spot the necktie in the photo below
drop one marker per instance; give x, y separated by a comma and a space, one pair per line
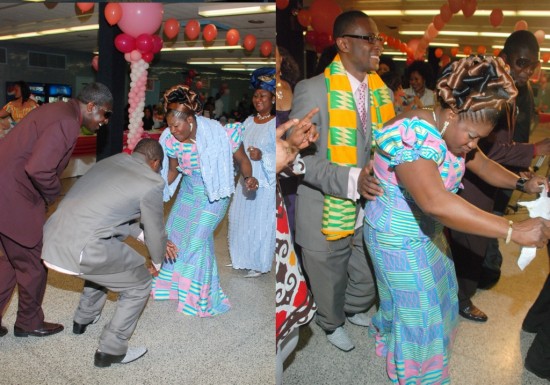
361, 95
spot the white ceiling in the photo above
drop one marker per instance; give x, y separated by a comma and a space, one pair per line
19, 17
391, 25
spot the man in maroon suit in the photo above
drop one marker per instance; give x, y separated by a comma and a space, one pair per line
33, 156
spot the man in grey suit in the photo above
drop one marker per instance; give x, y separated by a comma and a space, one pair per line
340, 277
85, 235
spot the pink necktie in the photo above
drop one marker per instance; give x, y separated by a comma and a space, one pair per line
361, 95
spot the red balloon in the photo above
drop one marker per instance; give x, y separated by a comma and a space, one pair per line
469, 7
232, 37
95, 62
467, 50
311, 37
496, 17
481, 50
157, 43
192, 29
50, 4
249, 42
496, 51
198, 85
210, 32
113, 13
432, 32
304, 17
546, 57
281, 4
144, 43
445, 12
265, 48
413, 44
444, 60
454, 51
172, 28
403, 47
438, 52
125, 43
85, 7
520, 25
438, 22
323, 14
192, 73
148, 57
455, 5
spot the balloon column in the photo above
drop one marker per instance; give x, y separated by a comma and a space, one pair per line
138, 22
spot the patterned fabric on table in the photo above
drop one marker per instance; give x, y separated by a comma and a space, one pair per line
416, 322
252, 214
294, 304
193, 279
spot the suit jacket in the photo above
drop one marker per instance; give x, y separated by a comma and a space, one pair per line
32, 157
86, 232
321, 177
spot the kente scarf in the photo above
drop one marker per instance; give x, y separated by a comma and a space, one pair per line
339, 214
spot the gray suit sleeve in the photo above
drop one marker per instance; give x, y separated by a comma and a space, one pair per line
320, 174
152, 220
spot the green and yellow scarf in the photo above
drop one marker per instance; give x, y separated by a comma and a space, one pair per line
339, 214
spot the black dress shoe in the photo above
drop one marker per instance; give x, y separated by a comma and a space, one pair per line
103, 360
47, 329
81, 328
473, 314
3, 331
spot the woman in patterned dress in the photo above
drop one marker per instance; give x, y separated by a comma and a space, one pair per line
252, 215
203, 152
419, 161
18, 108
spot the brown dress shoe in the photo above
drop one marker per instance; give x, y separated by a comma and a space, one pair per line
47, 329
473, 313
3, 331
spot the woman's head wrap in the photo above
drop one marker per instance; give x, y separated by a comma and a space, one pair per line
264, 79
475, 83
182, 98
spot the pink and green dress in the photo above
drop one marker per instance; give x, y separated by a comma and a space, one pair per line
417, 319
193, 279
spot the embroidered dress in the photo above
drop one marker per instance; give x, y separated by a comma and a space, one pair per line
252, 214
416, 322
193, 279
18, 113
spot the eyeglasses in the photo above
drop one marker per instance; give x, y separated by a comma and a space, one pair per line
106, 113
524, 63
371, 37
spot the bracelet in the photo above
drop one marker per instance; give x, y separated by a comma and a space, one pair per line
510, 229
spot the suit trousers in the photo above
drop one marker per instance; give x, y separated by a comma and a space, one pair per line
22, 266
133, 288
538, 318
341, 281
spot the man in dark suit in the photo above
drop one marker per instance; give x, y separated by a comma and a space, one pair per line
84, 237
339, 274
33, 156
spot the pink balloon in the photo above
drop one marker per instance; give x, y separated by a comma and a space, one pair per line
539, 34
144, 43
125, 43
135, 55
139, 18
95, 62
128, 57
521, 25
157, 43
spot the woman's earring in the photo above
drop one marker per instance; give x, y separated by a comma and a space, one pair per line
191, 127
445, 125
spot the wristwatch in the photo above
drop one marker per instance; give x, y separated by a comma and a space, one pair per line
520, 184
